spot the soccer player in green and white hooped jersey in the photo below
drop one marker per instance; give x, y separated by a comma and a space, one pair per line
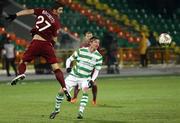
87, 59
85, 43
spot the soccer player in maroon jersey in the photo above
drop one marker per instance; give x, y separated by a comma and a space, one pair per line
44, 34
85, 43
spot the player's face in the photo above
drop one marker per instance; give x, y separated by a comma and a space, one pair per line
88, 36
59, 10
95, 44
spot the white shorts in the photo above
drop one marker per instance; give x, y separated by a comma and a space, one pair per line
72, 81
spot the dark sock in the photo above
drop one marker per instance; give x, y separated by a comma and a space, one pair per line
94, 92
76, 91
22, 68
60, 77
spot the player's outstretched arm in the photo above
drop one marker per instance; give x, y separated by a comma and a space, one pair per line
11, 17
25, 12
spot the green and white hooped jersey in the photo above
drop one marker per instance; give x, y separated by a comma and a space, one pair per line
85, 62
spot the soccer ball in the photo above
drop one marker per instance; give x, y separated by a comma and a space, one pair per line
165, 39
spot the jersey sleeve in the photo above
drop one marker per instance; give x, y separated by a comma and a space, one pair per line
37, 11
74, 55
99, 63
56, 27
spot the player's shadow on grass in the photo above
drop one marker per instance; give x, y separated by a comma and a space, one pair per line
109, 106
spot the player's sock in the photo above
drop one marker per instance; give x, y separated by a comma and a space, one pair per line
22, 68
80, 115
76, 91
60, 77
94, 92
83, 102
59, 99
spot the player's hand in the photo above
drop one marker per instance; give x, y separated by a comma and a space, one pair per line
11, 17
68, 70
91, 84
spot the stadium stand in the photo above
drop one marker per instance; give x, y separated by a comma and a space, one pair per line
124, 20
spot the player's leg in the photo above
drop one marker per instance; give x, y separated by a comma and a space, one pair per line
21, 69
49, 54
58, 101
60, 77
14, 66
28, 56
141, 60
7, 67
76, 91
145, 60
84, 99
94, 93
21, 75
60, 96
83, 103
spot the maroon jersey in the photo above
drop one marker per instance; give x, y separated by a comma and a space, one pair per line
46, 25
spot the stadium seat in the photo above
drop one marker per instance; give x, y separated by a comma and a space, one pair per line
123, 11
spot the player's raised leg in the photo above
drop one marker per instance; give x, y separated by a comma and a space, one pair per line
21, 75
27, 57
60, 77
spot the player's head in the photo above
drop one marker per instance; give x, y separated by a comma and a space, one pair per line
88, 35
94, 42
57, 8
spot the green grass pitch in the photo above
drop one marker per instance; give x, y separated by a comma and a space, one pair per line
154, 99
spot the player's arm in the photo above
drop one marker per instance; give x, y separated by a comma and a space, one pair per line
25, 12
96, 72
93, 78
95, 75
68, 64
55, 35
11, 17
55, 39
69, 61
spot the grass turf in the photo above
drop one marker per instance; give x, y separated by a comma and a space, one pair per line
120, 100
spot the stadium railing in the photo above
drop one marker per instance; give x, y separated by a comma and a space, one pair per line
126, 56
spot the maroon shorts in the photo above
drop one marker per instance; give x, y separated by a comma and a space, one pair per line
40, 48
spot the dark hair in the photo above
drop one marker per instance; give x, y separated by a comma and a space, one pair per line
93, 38
86, 31
56, 5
